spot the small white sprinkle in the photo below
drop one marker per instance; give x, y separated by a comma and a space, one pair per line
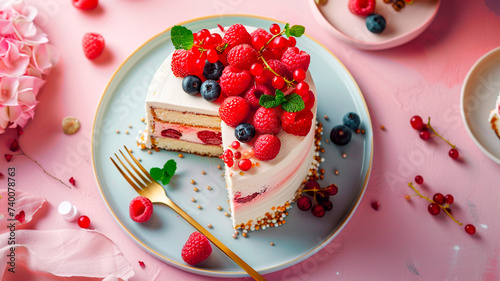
456, 248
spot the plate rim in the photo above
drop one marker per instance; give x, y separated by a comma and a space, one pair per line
372, 46
220, 273
472, 71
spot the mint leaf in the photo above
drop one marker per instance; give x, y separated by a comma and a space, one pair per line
296, 31
293, 103
268, 101
287, 30
165, 179
170, 167
182, 38
280, 97
156, 173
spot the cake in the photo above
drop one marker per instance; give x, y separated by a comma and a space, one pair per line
494, 117
262, 189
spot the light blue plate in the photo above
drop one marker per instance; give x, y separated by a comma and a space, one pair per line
122, 105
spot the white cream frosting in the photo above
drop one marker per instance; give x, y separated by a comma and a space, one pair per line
494, 117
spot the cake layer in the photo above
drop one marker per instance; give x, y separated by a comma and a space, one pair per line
186, 118
189, 147
192, 134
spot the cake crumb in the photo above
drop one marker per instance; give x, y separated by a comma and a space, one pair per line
219, 167
209, 187
344, 155
219, 208
195, 189
203, 172
209, 225
181, 155
193, 200
192, 182
199, 207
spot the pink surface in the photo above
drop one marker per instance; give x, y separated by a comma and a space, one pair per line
400, 241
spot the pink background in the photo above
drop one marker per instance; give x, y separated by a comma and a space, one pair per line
400, 241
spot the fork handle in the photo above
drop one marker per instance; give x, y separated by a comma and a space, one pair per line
214, 240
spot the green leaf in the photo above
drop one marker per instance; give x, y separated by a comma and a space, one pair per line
296, 30
156, 173
293, 103
165, 179
182, 38
268, 101
170, 167
280, 97
287, 30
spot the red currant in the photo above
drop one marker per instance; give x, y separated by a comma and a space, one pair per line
256, 69
434, 209
417, 123
453, 153
312, 186
212, 56
449, 199
217, 38
470, 229
425, 135
235, 144
327, 205
375, 205
304, 203
210, 42
202, 34
237, 155
245, 164
261, 79
227, 156
83, 222
275, 28
280, 42
332, 189
278, 82
199, 64
419, 179
299, 75
318, 211
302, 87
258, 41
439, 198
292, 41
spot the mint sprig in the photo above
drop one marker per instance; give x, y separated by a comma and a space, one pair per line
164, 174
295, 30
290, 103
182, 37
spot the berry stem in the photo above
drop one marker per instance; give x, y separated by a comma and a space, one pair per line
38, 164
288, 82
432, 201
436, 133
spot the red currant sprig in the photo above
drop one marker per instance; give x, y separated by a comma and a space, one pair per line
319, 202
441, 202
418, 124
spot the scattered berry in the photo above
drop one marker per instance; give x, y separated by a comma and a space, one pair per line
318, 211
244, 132
14, 146
8, 157
295, 59
93, 45
375, 205
453, 153
196, 249
351, 120
375, 23
311, 187
210, 90
439, 198
191, 84
340, 135
85, 4
234, 110
297, 123
242, 56
331, 190
245, 164
362, 7
434, 209
470, 229
140, 209
304, 203
72, 181
83, 222
419, 179
234, 81
213, 70
266, 121
417, 123
267, 147
449, 199
425, 135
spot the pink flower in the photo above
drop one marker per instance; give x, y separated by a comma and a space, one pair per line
13, 59
17, 20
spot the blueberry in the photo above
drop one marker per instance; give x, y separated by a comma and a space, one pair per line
351, 120
375, 23
340, 135
210, 90
191, 84
213, 70
244, 132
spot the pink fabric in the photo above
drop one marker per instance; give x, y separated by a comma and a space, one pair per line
58, 254
24, 201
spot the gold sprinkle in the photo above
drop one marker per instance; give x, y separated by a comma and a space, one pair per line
326, 117
209, 225
327, 141
70, 125
235, 236
344, 155
272, 243
382, 127
117, 131
407, 197
181, 155
209, 187
192, 181
322, 171
219, 167
244, 234
236, 233
219, 208
130, 126
139, 159
241, 173
336, 172
193, 200
322, 150
226, 214
130, 150
357, 131
126, 132
142, 119
257, 164
199, 207
149, 152
321, 177
195, 189
362, 132
203, 172
321, 2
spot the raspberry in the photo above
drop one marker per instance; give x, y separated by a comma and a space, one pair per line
262, 32
294, 59
252, 95
242, 56
297, 123
85, 4
209, 137
234, 81
235, 35
266, 121
196, 249
140, 209
93, 45
310, 101
234, 110
280, 68
183, 64
266, 147
362, 7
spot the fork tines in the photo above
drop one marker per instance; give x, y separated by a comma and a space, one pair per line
131, 177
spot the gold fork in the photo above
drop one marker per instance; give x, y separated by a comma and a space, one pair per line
146, 186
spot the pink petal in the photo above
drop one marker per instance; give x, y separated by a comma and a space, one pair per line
13, 62
25, 201
8, 91
45, 57
64, 253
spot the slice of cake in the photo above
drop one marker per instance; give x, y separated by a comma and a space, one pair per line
494, 117
261, 117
